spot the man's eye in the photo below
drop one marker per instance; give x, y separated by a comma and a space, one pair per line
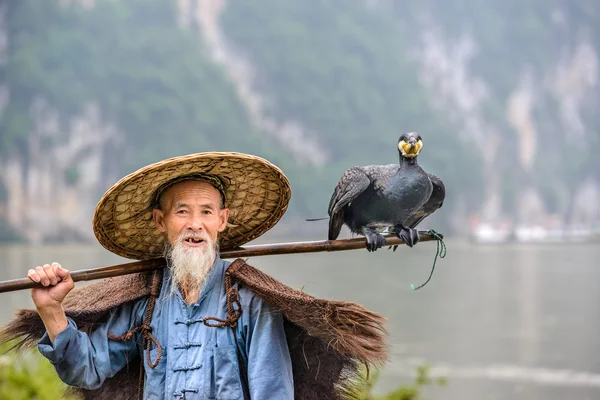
181, 212
207, 212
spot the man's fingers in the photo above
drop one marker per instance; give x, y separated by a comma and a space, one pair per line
51, 273
58, 270
41, 272
31, 274
63, 274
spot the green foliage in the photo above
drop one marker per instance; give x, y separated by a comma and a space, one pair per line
72, 176
29, 376
412, 391
517, 40
8, 233
345, 72
3, 192
342, 71
15, 126
151, 79
327, 66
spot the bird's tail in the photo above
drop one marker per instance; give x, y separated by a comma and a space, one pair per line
316, 219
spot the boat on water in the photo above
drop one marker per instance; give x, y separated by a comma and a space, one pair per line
488, 233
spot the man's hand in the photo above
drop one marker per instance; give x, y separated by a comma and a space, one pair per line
57, 282
48, 300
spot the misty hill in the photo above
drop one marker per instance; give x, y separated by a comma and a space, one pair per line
504, 93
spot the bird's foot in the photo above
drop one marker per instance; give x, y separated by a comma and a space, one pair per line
409, 236
374, 240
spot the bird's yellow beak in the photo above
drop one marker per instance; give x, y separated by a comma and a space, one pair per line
409, 150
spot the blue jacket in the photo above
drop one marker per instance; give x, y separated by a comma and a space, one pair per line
198, 362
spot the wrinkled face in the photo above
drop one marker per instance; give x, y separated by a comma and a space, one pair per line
410, 144
191, 210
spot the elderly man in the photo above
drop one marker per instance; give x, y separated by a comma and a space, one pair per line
194, 360
201, 328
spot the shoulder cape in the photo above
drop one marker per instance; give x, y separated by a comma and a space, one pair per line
328, 340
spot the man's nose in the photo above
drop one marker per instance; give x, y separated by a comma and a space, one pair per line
195, 223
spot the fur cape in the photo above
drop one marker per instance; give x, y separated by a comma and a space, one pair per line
329, 341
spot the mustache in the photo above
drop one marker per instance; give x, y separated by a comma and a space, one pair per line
193, 235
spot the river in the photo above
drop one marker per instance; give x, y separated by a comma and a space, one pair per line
500, 322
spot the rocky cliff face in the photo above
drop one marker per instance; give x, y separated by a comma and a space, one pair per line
54, 186
545, 121
518, 141
51, 184
527, 125
291, 135
529, 115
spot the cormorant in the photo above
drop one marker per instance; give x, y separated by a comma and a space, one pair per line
399, 196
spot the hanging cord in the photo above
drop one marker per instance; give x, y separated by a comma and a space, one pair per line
233, 314
440, 252
146, 332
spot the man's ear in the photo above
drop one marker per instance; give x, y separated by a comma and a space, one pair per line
224, 216
159, 220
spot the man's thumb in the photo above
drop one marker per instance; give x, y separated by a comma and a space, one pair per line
63, 274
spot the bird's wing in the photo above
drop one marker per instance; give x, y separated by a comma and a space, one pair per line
353, 182
351, 185
436, 200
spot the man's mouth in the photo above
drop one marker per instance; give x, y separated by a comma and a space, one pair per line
193, 241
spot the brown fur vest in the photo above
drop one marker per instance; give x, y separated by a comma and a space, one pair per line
328, 340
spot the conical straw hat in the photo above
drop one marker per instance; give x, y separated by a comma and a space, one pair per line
256, 192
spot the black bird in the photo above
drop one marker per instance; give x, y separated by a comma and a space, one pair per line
370, 198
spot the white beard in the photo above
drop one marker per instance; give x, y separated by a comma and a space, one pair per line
190, 265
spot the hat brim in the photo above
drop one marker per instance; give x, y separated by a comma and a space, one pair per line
257, 195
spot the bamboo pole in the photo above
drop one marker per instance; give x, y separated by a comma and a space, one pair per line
247, 251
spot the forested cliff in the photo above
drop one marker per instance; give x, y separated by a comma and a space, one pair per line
504, 93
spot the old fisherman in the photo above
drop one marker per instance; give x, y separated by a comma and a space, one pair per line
202, 327
197, 361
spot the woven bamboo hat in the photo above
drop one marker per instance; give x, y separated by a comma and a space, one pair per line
256, 192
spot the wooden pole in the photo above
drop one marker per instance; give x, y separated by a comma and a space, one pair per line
241, 252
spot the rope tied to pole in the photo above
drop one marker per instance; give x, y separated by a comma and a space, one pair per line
146, 332
440, 252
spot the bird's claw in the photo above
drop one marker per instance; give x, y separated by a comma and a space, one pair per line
374, 240
409, 236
